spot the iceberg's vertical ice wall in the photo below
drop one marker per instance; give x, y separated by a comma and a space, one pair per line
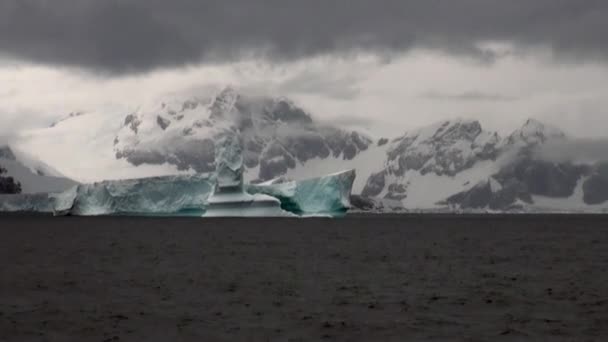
31, 203
229, 198
170, 196
222, 195
327, 195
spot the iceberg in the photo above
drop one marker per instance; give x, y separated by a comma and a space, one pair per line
222, 194
230, 198
157, 196
324, 196
27, 203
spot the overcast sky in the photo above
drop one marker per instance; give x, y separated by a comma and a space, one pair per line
381, 65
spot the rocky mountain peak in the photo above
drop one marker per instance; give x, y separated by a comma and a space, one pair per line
224, 102
7, 153
534, 132
278, 135
446, 147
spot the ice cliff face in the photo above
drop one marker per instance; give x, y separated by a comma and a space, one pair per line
194, 195
172, 195
277, 135
324, 195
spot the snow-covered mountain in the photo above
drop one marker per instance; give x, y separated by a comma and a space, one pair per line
456, 165
278, 135
449, 165
28, 175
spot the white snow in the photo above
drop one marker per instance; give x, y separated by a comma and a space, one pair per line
32, 182
365, 164
425, 191
495, 186
82, 149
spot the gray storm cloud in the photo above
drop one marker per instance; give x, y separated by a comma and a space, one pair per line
119, 36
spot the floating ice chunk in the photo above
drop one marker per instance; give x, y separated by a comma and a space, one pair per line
327, 195
163, 196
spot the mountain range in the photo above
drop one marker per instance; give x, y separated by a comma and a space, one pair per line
452, 165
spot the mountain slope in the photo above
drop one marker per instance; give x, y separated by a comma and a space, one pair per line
458, 165
33, 176
278, 135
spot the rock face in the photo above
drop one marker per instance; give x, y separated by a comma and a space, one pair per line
596, 186
542, 177
492, 195
7, 153
444, 152
444, 149
19, 174
277, 134
8, 184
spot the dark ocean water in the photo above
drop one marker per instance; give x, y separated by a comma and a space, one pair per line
360, 278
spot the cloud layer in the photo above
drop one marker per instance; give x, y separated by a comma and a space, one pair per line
118, 36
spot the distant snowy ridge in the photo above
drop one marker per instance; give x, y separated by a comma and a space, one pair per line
33, 175
456, 165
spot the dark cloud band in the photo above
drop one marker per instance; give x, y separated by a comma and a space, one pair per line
139, 35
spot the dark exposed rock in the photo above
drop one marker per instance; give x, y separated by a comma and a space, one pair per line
521, 179
7, 153
450, 149
306, 146
350, 152
375, 184
382, 141
133, 122
482, 196
396, 192
262, 122
363, 203
275, 161
162, 122
285, 111
189, 105
199, 156
8, 185
595, 188
69, 116
544, 178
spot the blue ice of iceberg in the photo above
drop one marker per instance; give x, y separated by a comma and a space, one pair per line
229, 198
328, 195
158, 196
30, 203
223, 194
